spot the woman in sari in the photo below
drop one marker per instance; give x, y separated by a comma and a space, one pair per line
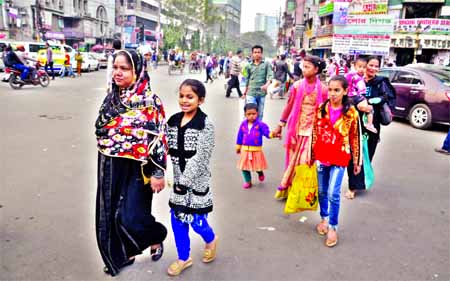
131, 163
298, 115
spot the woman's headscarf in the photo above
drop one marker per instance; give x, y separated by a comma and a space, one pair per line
131, 120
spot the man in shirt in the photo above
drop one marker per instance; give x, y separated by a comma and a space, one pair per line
281, 74
259, 78
49, 60
234, 67
117, 45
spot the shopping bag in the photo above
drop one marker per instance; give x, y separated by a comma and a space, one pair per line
303, 194
369, 176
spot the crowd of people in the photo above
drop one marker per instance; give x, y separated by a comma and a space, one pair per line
325, 123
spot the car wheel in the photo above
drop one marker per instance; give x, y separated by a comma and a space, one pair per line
420, 116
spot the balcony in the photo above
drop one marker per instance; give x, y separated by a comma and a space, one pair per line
325, 30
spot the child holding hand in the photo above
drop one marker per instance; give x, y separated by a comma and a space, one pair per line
249, 145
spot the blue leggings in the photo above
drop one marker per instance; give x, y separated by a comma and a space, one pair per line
181, 233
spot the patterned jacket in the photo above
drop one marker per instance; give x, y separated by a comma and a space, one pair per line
337, 144
190, 149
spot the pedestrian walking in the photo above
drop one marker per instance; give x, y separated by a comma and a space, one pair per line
259, 78
298, 114
130, 132
49, 62
297, 68
336, 132
342, 69
281, 72
191, 142
209, 64
79, 60
249, 145
445, 149
67, 67
235, 69
376, 87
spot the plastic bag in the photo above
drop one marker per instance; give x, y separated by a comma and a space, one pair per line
303, 194
369, 176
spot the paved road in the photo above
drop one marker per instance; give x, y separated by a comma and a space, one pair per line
397, 231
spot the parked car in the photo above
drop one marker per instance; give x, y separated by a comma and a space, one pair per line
102, 59
89, 62
423, 94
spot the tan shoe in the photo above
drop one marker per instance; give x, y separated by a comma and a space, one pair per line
178, 266
332, 238
209, 255
322, 228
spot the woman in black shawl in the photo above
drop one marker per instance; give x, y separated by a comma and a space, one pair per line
376, 87
131, 163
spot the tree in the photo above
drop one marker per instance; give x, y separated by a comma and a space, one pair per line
172, 36
195, 40
249, 39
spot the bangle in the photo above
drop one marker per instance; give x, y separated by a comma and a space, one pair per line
282, 124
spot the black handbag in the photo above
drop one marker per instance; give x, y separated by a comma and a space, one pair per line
386, 114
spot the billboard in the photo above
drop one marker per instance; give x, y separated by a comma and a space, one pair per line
363, 34
422, 26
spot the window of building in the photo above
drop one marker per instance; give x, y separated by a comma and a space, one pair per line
419, 10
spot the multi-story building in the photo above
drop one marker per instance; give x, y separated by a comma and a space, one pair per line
135, 16
268, 24
231, 21
421, 31
72, 22
291, 32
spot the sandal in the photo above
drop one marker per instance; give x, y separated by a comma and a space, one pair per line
157, 253
209, 255
331, 242
350, 195
178, 266
322, 227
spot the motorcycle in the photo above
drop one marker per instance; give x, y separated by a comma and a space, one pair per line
38, 77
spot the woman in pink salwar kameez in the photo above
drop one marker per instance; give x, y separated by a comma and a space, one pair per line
298, 114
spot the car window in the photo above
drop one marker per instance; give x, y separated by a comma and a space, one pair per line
34, 48
404, 77
442, 76
386, 73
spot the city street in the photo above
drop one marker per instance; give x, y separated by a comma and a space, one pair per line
397, 231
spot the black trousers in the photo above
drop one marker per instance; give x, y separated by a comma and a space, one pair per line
125, 226
233, 83
51, 67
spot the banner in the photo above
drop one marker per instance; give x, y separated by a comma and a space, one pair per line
363, 7
361, 44
422, 26
363, 34
326, 8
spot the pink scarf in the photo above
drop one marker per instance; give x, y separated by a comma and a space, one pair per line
296, 109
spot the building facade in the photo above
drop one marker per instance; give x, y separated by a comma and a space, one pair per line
69, 21
421, 31
268, 24
404, 31
137, 21
231, 17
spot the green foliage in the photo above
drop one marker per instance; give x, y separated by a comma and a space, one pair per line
172, 36
249, 39
195, 40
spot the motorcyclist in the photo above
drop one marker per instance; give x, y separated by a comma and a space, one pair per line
18, 62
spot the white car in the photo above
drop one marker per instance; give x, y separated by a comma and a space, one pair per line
89, 63
102, 59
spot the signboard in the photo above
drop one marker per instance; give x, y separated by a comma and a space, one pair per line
425, 41
54, 35
361, 44
422, 26
370, 24
326, 8
343, 8
363, 34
